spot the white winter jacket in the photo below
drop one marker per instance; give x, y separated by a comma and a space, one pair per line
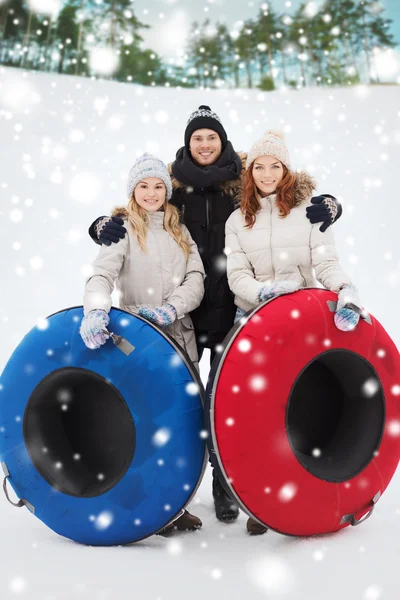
160, 275
277, 249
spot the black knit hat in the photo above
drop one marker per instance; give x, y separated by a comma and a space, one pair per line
204, 118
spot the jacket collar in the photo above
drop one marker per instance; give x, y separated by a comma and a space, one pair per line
230, 188
156, 218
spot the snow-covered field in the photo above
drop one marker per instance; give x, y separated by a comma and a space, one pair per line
66, 146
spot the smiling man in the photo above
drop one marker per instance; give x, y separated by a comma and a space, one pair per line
207, 184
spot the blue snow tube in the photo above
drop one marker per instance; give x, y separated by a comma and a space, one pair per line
104, 448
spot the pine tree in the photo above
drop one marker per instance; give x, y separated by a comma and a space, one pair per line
343, 18
364, 13
66, 32
32, 25
122, 20
246, 45
14, 26
265, 31
4, 15
202, 53
140, 66
295, 34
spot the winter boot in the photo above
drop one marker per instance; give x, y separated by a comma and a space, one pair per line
255, 528
186, 522
225, 508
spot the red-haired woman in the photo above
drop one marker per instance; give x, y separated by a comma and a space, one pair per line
273, 248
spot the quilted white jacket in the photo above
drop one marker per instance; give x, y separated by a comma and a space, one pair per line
159, 275
277, 249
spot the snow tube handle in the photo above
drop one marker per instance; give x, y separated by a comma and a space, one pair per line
332, 304
120, 342
22, 501
352, 520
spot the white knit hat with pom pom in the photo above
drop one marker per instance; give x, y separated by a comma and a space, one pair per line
272, 143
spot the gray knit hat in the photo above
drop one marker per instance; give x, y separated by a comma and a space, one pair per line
272, 143
145, 166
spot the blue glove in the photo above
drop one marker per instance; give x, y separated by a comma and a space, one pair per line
92, 327
348, 309
277, 289
109, 229
162, 315
326, 209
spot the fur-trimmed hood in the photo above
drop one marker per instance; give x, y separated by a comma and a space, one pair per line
120, 211
305, 183
304, 188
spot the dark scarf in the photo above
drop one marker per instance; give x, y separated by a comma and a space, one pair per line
227, 168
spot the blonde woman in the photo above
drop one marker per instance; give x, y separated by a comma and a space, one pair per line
156, 268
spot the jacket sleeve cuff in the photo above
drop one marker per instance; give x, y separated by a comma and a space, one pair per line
180, 307
92, 231
96, 301
338, 204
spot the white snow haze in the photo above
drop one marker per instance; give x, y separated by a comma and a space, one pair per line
66, 146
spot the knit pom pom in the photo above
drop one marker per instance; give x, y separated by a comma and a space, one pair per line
276, 133
204, 107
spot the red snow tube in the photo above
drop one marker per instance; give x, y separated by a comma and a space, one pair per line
304, 418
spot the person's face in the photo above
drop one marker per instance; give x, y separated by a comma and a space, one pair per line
205, 147
150, 193
267, 174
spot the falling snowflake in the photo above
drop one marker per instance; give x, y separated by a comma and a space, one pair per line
161, 437
244, 346
16, 215
42, 324
174, 547
271, 575
372, 592
192, 388
394, 428
216, 573
76, 136
17, 585
287, 492
370, 387
103, 61
104, 520
258, 383
85, 188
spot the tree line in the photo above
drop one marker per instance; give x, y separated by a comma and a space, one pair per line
334, 45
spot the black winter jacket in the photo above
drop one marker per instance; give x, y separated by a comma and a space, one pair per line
204, 211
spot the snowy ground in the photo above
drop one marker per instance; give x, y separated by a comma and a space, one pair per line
66, 146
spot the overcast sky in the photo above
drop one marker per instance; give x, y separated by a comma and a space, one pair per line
171, 19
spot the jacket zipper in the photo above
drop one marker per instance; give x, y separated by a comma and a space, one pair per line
207, 212
207, 228
302, 277
270, 237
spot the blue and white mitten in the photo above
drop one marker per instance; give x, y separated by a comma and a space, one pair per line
161, 315
277, 289
92, 328
348, 309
